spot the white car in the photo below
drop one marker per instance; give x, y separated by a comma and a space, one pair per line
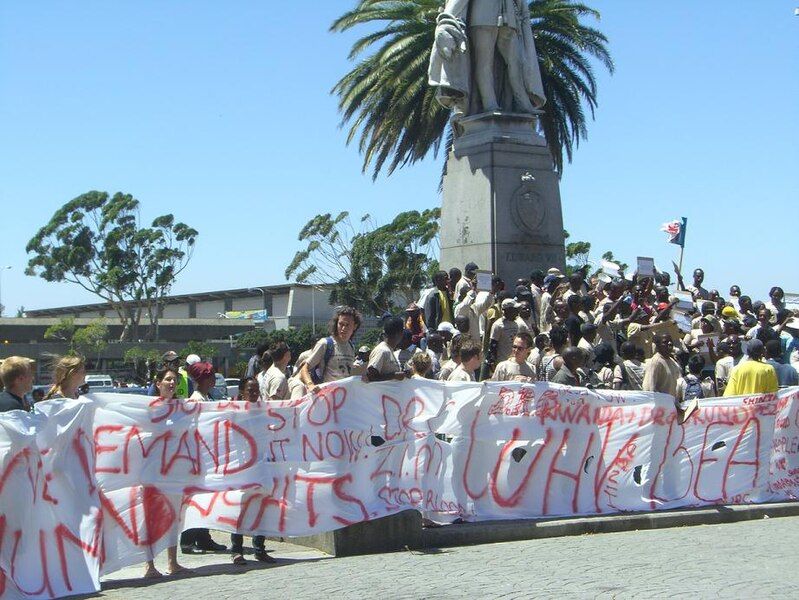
232, 386
99, 382
220, 388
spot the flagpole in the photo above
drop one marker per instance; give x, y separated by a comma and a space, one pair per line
683, 231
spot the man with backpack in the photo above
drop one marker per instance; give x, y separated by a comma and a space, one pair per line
691, 387
333, 356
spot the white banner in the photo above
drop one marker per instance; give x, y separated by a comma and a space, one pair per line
90, 486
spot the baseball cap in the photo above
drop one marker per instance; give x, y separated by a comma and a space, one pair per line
363, 349
169, 356
192, 359
509, 303
729, 312
446, 326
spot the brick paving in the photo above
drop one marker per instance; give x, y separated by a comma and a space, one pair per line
747, 559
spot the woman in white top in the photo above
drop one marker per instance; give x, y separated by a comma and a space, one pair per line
166, 382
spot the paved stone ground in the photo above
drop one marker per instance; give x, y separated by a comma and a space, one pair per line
754, 559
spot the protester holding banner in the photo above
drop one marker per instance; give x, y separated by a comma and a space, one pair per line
166, 381
249, 391
332, 357
199, 540
516, 368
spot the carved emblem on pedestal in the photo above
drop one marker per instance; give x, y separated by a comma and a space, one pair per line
527, 207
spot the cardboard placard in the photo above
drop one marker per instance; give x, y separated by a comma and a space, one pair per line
484, 281
646, 266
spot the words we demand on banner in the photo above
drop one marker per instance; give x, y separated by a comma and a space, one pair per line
93, 485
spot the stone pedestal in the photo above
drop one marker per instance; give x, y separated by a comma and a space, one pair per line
501, 206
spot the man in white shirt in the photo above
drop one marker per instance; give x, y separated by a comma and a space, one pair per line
516, 367
276, 385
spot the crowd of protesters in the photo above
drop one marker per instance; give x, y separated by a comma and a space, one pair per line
588, 331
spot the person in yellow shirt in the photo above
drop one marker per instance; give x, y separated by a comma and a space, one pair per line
753, 376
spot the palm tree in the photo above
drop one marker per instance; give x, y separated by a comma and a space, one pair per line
392, 111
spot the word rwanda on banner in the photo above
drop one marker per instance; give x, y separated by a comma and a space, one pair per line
93, 485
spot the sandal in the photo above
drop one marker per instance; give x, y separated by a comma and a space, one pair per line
239, 559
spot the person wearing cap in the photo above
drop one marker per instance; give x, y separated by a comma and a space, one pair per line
359, 364
447, 331
503, 331
414, 322
753, 376
199, 539
438, 305
16, 373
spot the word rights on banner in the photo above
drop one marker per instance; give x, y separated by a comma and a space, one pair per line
92, 485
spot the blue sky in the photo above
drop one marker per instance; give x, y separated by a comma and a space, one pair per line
220, 113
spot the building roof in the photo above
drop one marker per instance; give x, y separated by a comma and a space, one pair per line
176, 299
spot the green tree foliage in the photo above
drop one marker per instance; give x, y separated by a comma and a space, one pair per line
89, 340
61, 330
97, 242
392, 112
144, 361
205, 350
92, 339
578, 256
374, 269
298, 340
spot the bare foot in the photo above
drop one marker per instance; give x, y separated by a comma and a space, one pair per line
178, 570
152, 573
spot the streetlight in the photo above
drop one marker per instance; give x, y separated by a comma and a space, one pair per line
313, 305
6, 268
263, 299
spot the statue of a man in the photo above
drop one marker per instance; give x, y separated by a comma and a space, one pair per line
464, 65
